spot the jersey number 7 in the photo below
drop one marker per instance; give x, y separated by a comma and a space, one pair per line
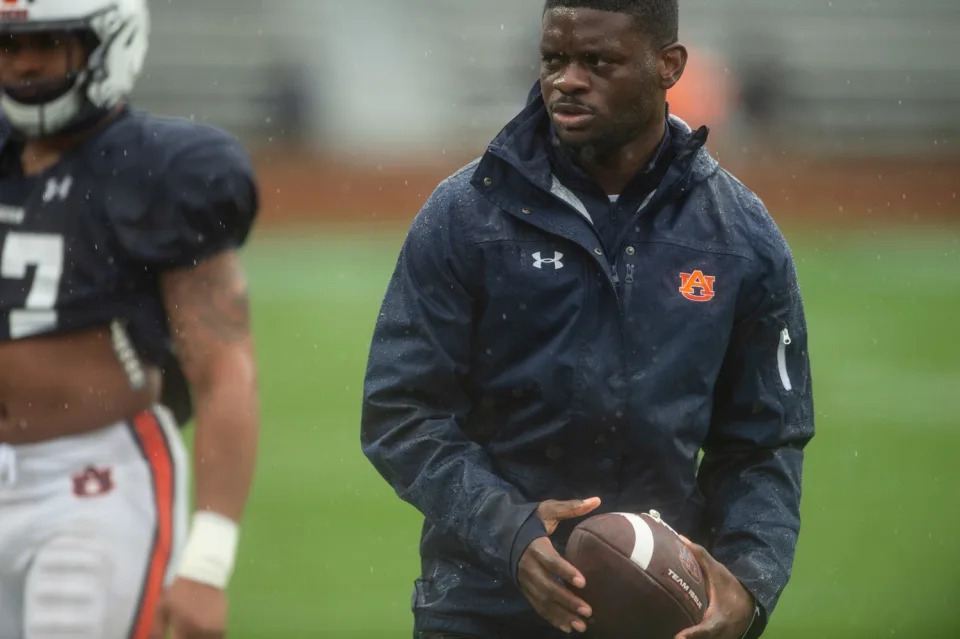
44, 251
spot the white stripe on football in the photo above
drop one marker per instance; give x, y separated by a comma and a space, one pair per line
643, 540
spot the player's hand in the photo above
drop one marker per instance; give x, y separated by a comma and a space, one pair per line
731, 607
192, 610
542, 571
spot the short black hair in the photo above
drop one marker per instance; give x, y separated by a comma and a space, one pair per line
659, 18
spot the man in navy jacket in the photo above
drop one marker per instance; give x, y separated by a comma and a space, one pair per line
573, 319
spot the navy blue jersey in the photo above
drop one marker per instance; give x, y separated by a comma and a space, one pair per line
83, 243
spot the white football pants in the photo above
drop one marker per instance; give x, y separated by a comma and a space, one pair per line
90, 526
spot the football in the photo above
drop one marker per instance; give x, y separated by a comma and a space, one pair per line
642, 580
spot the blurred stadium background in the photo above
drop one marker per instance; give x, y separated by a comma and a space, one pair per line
844, 115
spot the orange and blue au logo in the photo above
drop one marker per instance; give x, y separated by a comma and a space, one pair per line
691, 283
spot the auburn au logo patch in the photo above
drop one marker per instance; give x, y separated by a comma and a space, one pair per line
696, 286
92, 482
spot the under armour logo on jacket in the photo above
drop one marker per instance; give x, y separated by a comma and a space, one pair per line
538, 261
59, 189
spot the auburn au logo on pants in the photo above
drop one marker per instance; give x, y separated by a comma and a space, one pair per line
696, 286
92, 482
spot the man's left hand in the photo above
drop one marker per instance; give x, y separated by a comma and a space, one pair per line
192, 610
731, 607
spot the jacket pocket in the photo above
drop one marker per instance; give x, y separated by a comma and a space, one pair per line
531, 287
789, 372
782, 369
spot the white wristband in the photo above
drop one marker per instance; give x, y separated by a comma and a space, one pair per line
211, 549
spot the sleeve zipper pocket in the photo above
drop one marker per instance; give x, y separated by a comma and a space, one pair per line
782, 358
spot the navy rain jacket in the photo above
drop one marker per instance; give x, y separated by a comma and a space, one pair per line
515, 360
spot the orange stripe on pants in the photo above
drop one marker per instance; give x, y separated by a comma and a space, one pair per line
155, 448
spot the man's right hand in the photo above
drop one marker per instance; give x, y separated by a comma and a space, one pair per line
542, 571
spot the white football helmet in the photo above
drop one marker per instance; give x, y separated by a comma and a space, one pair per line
119, 29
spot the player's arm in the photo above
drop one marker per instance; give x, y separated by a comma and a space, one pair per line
751, 470
208, 312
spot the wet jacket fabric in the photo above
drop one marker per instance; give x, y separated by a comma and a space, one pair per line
518, 358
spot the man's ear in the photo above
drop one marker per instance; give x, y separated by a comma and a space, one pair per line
673, 60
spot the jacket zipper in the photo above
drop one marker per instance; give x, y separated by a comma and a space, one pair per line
782, 358
627, 287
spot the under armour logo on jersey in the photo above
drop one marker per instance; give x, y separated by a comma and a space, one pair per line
57, 189
538, 261
691, 282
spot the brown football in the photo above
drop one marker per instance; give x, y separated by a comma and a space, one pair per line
642, 580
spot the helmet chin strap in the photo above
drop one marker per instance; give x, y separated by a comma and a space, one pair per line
67, 113
50, 118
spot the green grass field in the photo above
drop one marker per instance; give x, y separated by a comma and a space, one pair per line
328, 551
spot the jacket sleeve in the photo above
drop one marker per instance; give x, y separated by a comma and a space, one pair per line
750, 474
415, 403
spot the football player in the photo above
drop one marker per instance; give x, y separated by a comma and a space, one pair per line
123, 307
